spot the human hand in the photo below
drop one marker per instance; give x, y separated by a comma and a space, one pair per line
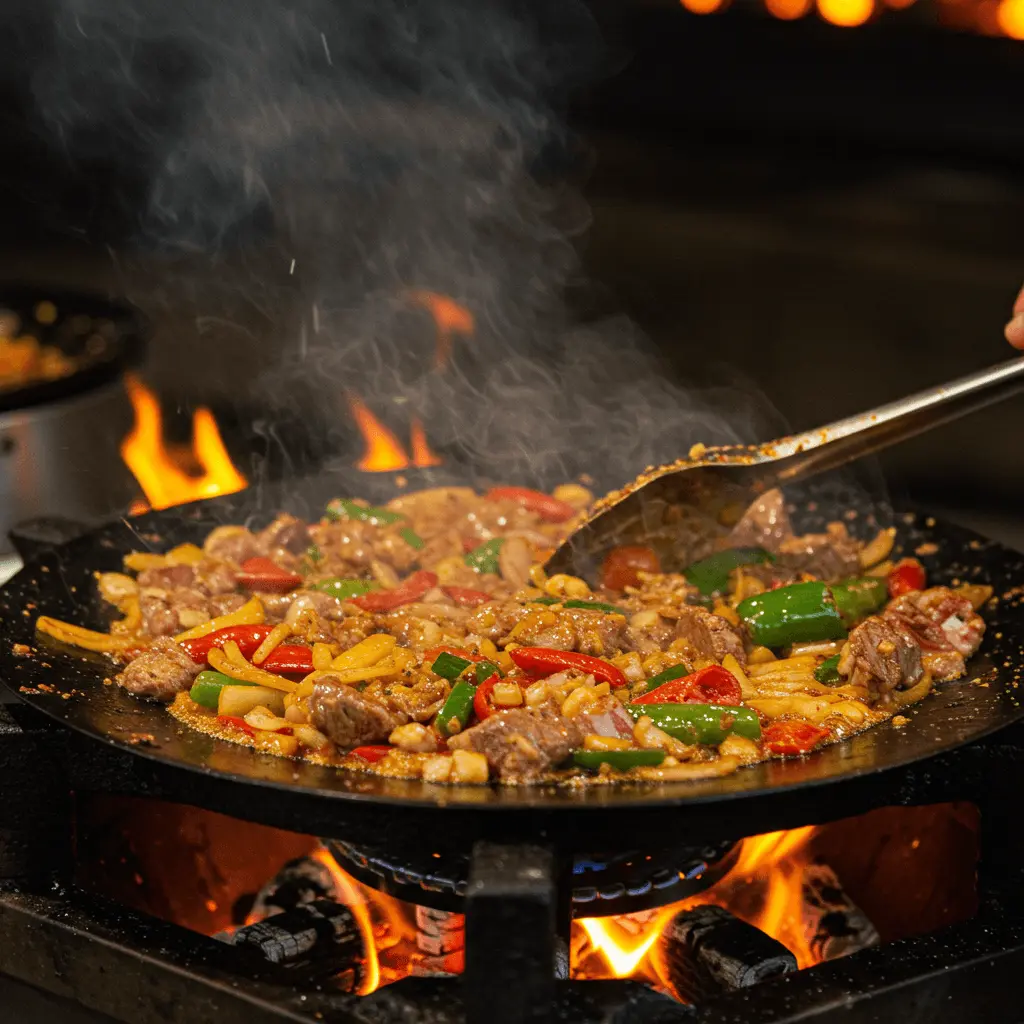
1015, 328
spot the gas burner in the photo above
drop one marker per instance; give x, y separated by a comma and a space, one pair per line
600, 885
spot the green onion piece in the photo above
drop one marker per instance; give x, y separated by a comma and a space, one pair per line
485, 669
449, 666
597, 606
343, 588
314, 554
711, 575
412, 538
485, 557
454, 714
546, 599
207, 686
344, 508
675, 672
620, 760
828, 671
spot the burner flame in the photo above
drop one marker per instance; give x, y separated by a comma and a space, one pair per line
160, 471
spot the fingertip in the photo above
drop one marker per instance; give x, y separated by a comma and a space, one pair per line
1018, 306
1014, 331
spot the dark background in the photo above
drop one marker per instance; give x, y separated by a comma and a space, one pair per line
834, 214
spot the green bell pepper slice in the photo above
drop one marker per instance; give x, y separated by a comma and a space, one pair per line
456, 709
856, 599
343, 588
485, 557
343, 508
207, 686
412, 538
546, 599
449, 666
700, 723
828, 671
485, 669
620, 760
597, 606
711, 575
802, 612
675, 672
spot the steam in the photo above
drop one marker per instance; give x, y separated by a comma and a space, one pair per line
365, 149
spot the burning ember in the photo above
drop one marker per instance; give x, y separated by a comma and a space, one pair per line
170, 476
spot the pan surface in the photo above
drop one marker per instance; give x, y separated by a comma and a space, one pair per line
70, 688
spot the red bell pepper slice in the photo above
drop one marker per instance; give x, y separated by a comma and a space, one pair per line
372, 754
711, 685
545, 661
248, 639
481, 699
264, 576
906, 575
621, 567
384, 600
465, 597
238, 723
549, 509
289, 660
792, 737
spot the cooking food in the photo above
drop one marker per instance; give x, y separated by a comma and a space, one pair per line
24, 359
424, 640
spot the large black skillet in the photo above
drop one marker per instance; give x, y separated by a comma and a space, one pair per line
70, 688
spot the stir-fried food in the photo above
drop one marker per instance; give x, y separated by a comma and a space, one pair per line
424, 640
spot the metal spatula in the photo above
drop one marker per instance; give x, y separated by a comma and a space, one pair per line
671, 507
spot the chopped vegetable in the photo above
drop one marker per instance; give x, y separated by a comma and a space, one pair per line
541, 661
484, 558
87, 639
858, 598
314, 554
828, 671
485, 669
623, 565
620, 760
372, 754
550, 509
466, 597
596, 606
250, 614
793, 737
481, 698
457, 709
344, 588
546, 599
412, 538
711, 575
449, 666
793, 614
711, 685
365, 653
238, 723
411, 590
343, 508
458, 652
250, 673
291, 659
675, 672
906, 575
264, 576
700, 723
207, 686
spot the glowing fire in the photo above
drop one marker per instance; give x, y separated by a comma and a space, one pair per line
384, 452
450, 319
762, 888
161, 473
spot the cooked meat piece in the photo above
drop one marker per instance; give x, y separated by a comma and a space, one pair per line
494, 621
325, 606
221, 604
351, 718
521, 744
882, 657
829, 556
944, 665
420, 701
940, 619
232, 544
572, 629
708, 636
285, 532
764, 525
650, 636
215, 577
158, 617
606, 717
168, 578
160, 672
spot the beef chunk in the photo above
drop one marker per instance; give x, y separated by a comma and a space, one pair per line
606, 717
521, 744
287, 533
708, 636
160, 672
351, 718
764, 525
574, 629
232, 544
940, 619
158, 617
882, 657
167, 578
829, 556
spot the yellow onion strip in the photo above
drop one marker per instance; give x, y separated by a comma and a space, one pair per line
274, 639
247, 673
87, 639
391, 665
365, 653
250, 614
183, 554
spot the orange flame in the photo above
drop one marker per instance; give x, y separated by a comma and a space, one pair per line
159, 473
384, 452
450, 319
846, 13
422, 455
